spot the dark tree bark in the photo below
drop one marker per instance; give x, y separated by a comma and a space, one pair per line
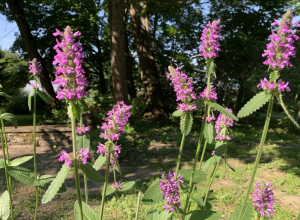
117, 50
31, 48
149, 74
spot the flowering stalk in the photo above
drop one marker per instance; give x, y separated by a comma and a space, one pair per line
278, 53
6, 161
263, 199
105, 186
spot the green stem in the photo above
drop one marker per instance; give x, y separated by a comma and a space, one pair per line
7, 176
76, 166
84, 177
211, 180
202, 155
262, 141
34, 153
298, 218
116, 193
179, 155
138, 206
105, 186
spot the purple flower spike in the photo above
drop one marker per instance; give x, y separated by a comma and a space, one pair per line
210, 45
83, 130
268, 86
69, 72
65, 157
117, 185
82, 155
281, 48
35, 67
183, 88
212, 95
221, 125
263, 199
170, 190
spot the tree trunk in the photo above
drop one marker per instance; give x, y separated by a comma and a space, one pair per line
149, 75
117, 50
31, 48
130, 80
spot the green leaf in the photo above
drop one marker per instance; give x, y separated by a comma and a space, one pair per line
203, 215
83, 141
198, 199
199, 103
209, 132
2, 165
88, 212
274, 76
29, 98
279, 97
44, 96
198, 175
91, 173
5, 95
152, 214
109, 190
75, 111
208, 163
117, 166
210, 68
4, 205
229, 166
254, 104
19, 161
10, 117
177, 113
236, 213
220, 150
222, 110
99, 162
153, 195
21, 174
164, 215
44, 182
210, 198
186, 123
56, 184
126, 186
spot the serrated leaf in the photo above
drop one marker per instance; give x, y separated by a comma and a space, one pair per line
210, 198
109, 190
279, 97
177, 113
29, 98
199, 103
153, 195
19, 161
91, 173
209, 68
4, 205
274, 76
186, 122
254, 104
83, 141
236, 213
5, 95
219, 151
126, 186
99, 162
21, 174
75, 111
203, 215
198, 199
44, 96
2, 165
164, 215
11, 118
56, 184
208, 163
187, 173
44, 182
88, 212
152, 214
209, 132
222, 110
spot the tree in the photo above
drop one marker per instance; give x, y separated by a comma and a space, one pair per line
31, 48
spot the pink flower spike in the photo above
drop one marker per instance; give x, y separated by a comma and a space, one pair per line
35, 67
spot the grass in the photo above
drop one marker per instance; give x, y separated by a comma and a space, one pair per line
155, 145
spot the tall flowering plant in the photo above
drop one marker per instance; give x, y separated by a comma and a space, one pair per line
278, 54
